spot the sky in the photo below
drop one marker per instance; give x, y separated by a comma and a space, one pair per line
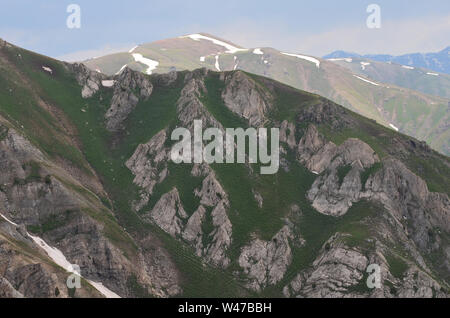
313, 27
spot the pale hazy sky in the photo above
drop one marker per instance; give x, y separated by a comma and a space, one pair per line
310, 27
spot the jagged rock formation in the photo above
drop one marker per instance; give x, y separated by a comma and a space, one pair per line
287, 134
37, 195
88, 79
265, 262
129, 88
243, 96
341, 271
169, 214
149, 166
189, 106
329, 194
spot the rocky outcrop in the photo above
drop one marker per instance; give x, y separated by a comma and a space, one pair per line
287, 134
265, 262
39, 195
341, 271
189, 106
333, 273
407, 197
243, 96
314, 151
26, 271
168, 213
149, 166
129, 88
332, 192
220, 238
211, 192
89, 80
420, 215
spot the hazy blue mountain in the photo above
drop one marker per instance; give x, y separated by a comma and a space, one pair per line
439, 61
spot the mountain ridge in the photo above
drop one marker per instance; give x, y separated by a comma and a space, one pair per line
349, 191
436, 61
420, 115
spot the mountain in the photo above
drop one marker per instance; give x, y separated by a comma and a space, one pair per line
419, 79
411, 112
87, 179
437, 62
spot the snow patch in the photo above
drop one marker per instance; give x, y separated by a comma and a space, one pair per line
108, 83
365, 80
408, 67
346, 59
134, 48
393, 127
47, 69
202, 58
8, 220
230, 48
58, 258
434, 74
150, 63
304, 57
121, 69
315, 172
265, 61
258, 52
217, 63
364, 64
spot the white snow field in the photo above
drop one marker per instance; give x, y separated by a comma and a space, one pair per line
365, 80
364, 64
304, 57
217, 63
150, 63
47, 69
108, 83
230, 48
348, 60
258, 52
393, 127
121, 69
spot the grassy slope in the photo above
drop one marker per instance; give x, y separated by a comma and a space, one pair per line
158, 112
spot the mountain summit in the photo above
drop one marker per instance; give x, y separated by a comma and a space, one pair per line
409, 111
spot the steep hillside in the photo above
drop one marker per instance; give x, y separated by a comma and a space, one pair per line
422, 116
85, 161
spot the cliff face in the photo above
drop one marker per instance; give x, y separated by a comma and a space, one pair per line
85, 167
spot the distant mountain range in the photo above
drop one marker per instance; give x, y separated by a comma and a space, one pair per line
380, 98
438, 62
